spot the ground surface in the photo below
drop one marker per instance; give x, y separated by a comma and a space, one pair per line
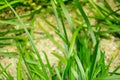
43, 44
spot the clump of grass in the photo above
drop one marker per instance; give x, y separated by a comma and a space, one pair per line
106, 17
82, 57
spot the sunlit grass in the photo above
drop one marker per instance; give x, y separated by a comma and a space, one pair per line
81, 59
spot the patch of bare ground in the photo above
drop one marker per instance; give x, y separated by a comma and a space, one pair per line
109, 46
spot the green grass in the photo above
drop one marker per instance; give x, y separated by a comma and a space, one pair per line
81, 59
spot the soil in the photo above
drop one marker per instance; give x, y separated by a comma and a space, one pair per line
109, 46
43, 44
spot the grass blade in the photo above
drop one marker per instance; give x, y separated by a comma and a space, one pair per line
86, 20
31, 41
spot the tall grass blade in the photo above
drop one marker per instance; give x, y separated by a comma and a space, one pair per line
66, 13
48, 65
31, 41
81, 69
86, 20
58, 74
95, 60
19, 76
11, 3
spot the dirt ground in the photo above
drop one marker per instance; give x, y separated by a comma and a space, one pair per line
110, 46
